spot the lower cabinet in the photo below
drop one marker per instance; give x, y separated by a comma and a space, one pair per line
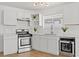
53, 47
35, 43
43, 44
46, 44
10, 46
9, 40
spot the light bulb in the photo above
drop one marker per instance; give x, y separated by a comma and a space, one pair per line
40, 4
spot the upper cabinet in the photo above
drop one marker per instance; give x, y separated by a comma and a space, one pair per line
71, 14
9, 17
27, 14
20, 15
24, 15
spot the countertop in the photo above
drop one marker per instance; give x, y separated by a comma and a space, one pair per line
62, 35
45, 34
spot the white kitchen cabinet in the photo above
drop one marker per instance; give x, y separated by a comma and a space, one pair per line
10, 43
10, 46
39, 43
43, 43
9, 17
27, 15
21, 15
36, 43
9, 39
46, 43
24, 15
71, 12
53, 47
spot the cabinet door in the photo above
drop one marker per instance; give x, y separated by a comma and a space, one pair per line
53, 46
71, 14
27, 15
10, 45
10, 40
43, 44
20, 15
35, 43
9, 17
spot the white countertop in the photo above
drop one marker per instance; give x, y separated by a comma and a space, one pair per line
59, 35
45, 34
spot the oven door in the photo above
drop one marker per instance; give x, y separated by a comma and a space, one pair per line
66, 46
24, 42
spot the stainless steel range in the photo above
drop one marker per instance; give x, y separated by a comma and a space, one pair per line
67, 46
24, 40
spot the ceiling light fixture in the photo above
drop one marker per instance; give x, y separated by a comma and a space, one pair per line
40, 4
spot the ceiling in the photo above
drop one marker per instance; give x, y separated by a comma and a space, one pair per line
29, 5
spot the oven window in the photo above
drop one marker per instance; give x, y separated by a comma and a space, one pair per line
24, 42
66, 47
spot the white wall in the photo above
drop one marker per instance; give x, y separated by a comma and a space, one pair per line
52, 11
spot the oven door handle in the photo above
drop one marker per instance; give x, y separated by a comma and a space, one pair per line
65, 42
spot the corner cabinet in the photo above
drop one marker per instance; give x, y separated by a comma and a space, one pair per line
71, 14
39, 43
9, 17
